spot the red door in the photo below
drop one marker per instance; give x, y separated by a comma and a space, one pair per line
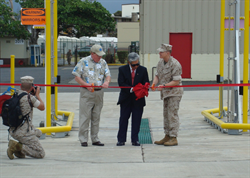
182, 50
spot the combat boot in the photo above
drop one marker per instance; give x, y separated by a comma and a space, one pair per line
171, 142
14, 148
162, 141
18, 154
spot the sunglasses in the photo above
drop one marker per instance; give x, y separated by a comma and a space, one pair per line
133, 65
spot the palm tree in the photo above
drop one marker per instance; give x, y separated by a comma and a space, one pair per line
11, 5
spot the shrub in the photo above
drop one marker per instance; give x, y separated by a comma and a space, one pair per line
122, 56
84, 53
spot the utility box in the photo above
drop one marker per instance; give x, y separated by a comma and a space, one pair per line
35, 52
134, 47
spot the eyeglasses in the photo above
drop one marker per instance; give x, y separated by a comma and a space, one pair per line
133, 65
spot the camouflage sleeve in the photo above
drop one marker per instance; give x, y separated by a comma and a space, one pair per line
34, 101
77, 71
177, 71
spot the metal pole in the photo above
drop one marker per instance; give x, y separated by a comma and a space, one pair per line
12, 70
222, 37
48, 64
236, 104
55, 55
229, 58
52, 60
245, 63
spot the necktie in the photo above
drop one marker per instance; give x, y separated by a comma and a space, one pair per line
133, 75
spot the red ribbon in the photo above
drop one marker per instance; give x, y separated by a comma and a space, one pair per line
202, 85
141, 90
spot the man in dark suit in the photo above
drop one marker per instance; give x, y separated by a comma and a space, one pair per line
129, 76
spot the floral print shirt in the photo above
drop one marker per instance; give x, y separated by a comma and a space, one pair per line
90, 71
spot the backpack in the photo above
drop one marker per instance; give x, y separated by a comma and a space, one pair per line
11, 111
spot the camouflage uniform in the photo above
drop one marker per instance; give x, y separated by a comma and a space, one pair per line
27, 134
91, 103
171, 96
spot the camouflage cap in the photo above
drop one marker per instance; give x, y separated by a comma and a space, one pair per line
27, 79
165, 47
97, 49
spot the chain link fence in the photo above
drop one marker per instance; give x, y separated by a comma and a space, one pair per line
81, 48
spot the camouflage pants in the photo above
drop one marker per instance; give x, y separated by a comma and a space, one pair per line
170, 114
31, 145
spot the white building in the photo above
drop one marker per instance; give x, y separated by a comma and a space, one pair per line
128, 9
193, 28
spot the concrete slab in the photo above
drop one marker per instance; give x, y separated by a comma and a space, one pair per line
203, 151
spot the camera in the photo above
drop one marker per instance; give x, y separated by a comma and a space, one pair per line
33, 92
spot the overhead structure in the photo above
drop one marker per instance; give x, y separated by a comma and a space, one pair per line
235, 123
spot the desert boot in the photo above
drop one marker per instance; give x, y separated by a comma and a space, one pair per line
18, 154
14, 148
171, 142
162, 141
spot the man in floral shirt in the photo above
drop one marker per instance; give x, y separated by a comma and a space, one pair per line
91, 71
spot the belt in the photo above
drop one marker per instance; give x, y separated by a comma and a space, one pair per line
95, 89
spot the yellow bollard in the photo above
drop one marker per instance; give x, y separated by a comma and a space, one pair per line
12, 70
35, 63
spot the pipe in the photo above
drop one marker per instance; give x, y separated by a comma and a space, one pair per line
55, 55
208, 115
48, 63
222, 36
12, 70
65, 128
245, 64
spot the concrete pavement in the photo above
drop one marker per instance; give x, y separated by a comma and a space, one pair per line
203, 151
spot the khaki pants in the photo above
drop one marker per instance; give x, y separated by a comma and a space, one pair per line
90, 107
170, 114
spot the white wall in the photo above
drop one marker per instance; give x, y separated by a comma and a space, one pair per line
127, 9
204, 67
127, 32
9, 46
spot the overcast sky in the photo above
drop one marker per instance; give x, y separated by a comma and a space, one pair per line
111, 5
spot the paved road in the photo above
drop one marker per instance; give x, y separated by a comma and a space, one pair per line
68, 79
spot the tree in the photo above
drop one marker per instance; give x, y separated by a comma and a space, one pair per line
78, 18
118, 13
9, 27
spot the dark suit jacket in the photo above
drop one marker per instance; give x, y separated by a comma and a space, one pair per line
124, 79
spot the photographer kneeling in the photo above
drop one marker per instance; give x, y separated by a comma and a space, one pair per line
26, 133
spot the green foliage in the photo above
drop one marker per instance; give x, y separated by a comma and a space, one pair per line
122, 55
9, 27
84, 53
78, 18
118, 13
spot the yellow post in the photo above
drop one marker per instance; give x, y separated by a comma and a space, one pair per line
55, 54
35, 63
12, 69
222, 36
48, 63
245, 63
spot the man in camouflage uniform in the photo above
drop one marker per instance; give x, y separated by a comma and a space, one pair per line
89, 71
26, 133
168, 74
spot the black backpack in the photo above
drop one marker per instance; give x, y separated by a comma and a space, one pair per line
11, 111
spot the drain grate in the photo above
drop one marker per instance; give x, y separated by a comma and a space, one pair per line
144, 134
